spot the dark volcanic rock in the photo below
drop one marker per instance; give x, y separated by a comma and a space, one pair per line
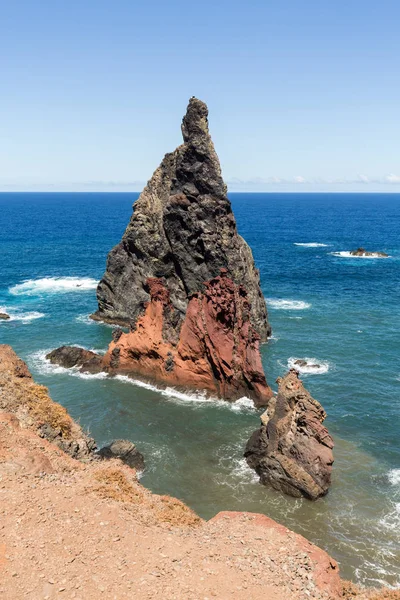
4, 316
74, 356
362, 252
292, 450
183, 231
125, 451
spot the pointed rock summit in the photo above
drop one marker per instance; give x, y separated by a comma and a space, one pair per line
183, 232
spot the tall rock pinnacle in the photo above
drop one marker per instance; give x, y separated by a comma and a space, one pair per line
183, 232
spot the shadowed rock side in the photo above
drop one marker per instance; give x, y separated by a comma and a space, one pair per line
217, 349
292, 450
183, 230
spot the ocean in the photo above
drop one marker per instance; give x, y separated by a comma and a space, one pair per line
341, 312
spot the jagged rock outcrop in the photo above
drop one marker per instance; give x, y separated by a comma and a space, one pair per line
182, 231
292, 450
75, 356
362, 252
126, 451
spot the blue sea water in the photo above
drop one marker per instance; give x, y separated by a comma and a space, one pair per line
341, 312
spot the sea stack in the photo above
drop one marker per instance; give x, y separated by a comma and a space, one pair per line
292, 450
184, 281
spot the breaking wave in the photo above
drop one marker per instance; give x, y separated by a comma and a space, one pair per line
280, 304
42, 365
20, 316
347, 254
311, 245
394, 476
53, 285
313, 366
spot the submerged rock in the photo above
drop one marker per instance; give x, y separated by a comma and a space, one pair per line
125, 451
182, 231
4, 316
362, 252
292, 450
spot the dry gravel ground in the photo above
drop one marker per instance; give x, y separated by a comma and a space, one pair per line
89, 530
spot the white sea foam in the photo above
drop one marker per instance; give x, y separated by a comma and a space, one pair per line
391, 520
281, 304
311, 244
44, 366
394, 476
53, 285
23, 317
320, 367
200, 397
243, 472
347, 254
297, 318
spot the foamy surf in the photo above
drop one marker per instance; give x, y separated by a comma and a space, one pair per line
281, 304
347, 254
200, 398
42, 365
311, 244
53, 285
313, 366
394, 476
26, 317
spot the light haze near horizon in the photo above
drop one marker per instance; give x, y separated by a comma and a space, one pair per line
303, 96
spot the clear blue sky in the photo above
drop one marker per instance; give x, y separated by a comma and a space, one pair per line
302, 94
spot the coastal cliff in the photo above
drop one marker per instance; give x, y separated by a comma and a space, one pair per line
84, 528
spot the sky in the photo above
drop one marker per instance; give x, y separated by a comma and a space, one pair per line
302, 95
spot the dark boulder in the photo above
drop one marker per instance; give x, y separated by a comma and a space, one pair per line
125, 451
74, 356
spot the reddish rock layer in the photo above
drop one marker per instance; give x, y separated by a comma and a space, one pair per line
217, 349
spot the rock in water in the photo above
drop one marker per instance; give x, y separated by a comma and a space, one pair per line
4, 316
292, 450
125, 451
183, 231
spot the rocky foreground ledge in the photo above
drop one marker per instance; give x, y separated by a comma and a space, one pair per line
86, 529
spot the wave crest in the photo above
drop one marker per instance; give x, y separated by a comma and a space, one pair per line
26, 317
311, 244
394, 476
281, 304
53, 285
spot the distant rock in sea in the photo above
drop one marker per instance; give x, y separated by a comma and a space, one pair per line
362, 252
4, 316
184, 281
292, 450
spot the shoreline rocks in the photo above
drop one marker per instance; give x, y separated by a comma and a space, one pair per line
292, 450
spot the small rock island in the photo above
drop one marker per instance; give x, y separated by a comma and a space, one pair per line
362, 252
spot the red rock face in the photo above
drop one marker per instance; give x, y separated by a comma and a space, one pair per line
217, 350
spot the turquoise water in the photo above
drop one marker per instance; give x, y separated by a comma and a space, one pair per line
341, 312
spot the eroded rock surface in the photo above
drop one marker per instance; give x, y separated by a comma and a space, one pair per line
182, 231
292, 450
